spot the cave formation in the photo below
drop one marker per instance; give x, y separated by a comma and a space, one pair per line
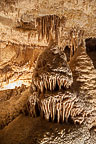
48, 64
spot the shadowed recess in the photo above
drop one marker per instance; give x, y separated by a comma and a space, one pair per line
91, 49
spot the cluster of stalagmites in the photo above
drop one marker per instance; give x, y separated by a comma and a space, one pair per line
51, 77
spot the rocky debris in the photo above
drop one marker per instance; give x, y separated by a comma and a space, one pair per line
37, 130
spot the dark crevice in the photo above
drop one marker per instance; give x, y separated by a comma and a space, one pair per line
91, 49
67, 52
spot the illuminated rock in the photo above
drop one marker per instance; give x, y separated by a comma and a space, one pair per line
51, 82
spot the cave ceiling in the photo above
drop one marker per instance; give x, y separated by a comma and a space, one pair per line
80, 14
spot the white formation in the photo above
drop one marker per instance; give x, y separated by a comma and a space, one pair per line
59, 107
62, 106
50, 82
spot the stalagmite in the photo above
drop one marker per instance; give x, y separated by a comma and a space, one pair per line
58, 112
76, 37
67, 113
32, 102
45, 84
54, 82
55, 104
49, 107
63, 112
29, 36
54, 113
41, 85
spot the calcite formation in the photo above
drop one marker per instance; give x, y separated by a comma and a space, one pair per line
48, 27
51, 46
51, 84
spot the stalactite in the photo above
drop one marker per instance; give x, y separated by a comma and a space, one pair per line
18, 12
29, 36
60, 106
50, 25
42, 28
57, 107
76, 37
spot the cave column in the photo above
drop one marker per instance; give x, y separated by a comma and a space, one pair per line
74, 44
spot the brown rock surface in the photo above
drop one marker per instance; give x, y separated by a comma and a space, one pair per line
26, 29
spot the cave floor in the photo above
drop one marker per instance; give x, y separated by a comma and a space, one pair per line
27, 130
